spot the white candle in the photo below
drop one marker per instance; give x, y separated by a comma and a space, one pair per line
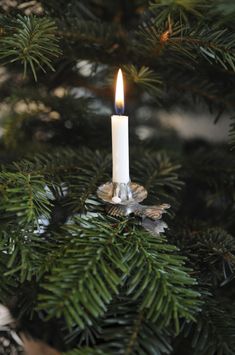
120, 138
120, 148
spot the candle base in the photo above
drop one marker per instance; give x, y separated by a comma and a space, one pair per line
121, 193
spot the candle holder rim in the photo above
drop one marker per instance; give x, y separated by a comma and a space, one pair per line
138, 193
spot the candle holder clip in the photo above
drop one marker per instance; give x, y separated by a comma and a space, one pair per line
123, 199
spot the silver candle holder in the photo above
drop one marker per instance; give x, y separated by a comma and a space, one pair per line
123, 199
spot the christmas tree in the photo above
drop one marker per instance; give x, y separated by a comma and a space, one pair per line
72, 275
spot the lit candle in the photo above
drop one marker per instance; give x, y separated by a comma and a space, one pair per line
120, 139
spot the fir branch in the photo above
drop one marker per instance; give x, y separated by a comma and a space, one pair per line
78, 172
60, 163
217, 96
29, 254
87, 275
214, 331
158, 173
125, 331
146, 78
180, 10
84, 184
150, 260
215, 247
31, 41
105, 39
24, 196
99, 257
215, 45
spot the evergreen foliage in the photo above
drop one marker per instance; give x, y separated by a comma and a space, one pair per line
29, 40
109, 286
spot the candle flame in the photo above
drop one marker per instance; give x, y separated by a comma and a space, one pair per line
119, 94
